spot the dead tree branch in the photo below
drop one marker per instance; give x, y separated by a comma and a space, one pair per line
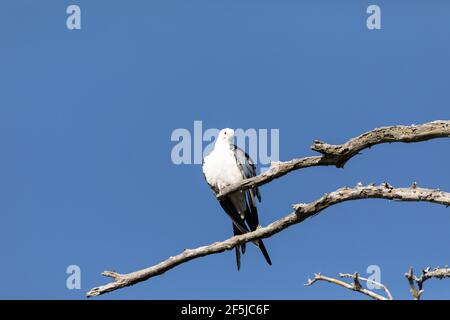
301, 212
338, 155
355, 285
427, 273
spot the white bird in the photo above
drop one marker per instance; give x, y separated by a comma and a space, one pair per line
227, 164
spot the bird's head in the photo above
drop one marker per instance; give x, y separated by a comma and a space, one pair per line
226, 135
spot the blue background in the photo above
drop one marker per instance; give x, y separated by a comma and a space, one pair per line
86, 116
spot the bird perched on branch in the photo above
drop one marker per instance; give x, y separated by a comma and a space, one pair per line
227, 164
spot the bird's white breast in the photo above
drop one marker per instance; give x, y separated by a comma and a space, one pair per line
220, 167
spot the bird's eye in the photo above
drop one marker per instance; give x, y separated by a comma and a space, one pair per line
225, 133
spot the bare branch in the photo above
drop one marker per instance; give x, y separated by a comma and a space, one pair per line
300, 213
427, 273
338, 155
355, 286
378, 284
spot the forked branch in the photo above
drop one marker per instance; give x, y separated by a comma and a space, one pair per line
427, 273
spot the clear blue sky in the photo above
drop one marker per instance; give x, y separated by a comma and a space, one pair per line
86, 116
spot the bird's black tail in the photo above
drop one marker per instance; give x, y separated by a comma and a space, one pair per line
251, 217
241, 226
263, 249
241, 248
238, 248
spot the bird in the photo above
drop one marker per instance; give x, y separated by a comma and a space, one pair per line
228, 164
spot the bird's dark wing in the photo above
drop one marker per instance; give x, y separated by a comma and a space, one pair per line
247, 168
